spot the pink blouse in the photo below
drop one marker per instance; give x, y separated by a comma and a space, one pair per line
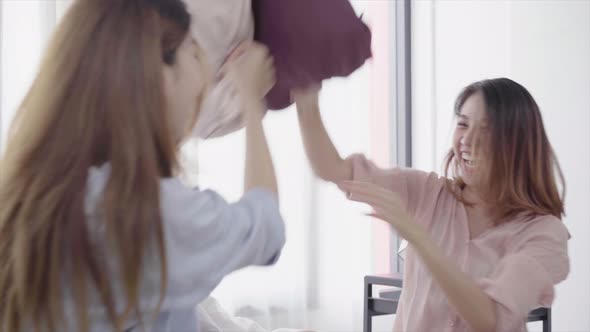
517, 263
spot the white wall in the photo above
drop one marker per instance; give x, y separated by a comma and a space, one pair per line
544, 45
25, 27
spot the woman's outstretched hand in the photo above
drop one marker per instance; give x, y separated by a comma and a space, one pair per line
386, 206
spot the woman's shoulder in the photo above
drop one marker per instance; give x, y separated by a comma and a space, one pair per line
531, 226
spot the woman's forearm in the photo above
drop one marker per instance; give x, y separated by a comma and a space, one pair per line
259, 169
321, 152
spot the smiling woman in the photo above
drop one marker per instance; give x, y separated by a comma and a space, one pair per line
545, 46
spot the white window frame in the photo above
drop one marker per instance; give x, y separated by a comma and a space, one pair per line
400, 106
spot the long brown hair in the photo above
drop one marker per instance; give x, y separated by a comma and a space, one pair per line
97, 98
521, 172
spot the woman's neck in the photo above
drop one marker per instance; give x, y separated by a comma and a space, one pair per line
479, 215
472, 195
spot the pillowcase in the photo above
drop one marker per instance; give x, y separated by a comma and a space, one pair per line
218, 27
311, 40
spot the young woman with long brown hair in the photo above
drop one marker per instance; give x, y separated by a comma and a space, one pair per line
96, 234
486, 243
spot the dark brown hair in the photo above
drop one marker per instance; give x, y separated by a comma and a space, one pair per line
521, 169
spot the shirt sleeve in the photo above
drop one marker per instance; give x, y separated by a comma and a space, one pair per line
208, 238
413, 187
525, 278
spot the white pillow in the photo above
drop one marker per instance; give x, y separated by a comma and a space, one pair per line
218, 26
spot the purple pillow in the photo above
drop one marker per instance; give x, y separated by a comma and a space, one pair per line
311, 40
